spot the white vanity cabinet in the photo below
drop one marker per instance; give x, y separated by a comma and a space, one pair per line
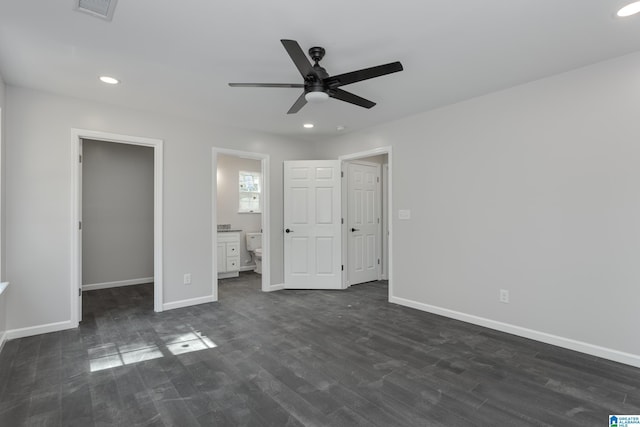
228, 255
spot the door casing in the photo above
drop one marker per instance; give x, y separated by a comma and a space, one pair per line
77, 135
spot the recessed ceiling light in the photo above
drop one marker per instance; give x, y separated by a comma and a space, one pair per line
340, 128
109, 80
99, 8
308, 125
630, 9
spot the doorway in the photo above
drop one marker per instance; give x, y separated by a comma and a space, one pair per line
77, 137
309, 184
367, 252
117, 215
220, 247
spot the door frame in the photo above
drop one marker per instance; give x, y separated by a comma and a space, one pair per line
77, 135
361, 156
266, 239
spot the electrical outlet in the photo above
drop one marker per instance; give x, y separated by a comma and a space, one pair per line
187, 278
504, 296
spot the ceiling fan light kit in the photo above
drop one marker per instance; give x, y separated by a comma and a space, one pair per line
316, 97
318, 85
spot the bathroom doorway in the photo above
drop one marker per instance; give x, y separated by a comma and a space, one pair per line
240, 216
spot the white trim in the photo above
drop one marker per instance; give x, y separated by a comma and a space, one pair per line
273, 288
119, 283
568, 343
3, 339
247, 268
2, 191
188, 302
3, 306
77, 135
40, 329
388, 150
385, 222
265, 224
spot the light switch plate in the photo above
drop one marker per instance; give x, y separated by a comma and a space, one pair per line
404, 214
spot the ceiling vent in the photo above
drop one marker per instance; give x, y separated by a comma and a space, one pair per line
100, 8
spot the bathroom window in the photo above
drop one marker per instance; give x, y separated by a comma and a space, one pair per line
249, 196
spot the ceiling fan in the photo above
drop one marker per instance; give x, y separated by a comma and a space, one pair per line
318, 85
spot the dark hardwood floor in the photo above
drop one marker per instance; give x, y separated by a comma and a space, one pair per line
298, 358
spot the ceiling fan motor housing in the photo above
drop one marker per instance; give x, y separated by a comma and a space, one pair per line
316, 53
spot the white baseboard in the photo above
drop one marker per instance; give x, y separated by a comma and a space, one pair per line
248, 268
272, 288
568, 343
40, 329
188, 302
105, 285
3, 339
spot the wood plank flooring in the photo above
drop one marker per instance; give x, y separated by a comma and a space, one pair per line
298, 358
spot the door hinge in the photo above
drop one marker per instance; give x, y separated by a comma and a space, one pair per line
377, 179
341, 174
80, 158
79, 225
378, 261
342, 220
378, 220
79, 292
342, 267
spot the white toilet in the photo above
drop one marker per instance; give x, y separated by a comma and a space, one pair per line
254, 246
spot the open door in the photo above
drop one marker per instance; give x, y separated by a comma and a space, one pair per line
363, 222
312, 224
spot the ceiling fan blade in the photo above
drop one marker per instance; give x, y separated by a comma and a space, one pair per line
300, 102
294, 85
345, 96
299, 58
364, 74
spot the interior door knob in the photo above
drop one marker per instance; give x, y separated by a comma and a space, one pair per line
288, 231
354, 229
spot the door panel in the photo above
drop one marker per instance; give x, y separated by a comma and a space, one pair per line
363, 222
312, 218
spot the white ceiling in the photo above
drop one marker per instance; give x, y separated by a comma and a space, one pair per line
178, 56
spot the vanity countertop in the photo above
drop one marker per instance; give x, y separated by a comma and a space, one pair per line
229, 231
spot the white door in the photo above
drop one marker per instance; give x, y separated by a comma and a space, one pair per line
312, 225
363, 222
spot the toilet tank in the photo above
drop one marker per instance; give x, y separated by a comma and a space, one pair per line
254, 241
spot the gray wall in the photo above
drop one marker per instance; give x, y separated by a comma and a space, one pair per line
228, 195
117, 212
38, 138
533, 189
